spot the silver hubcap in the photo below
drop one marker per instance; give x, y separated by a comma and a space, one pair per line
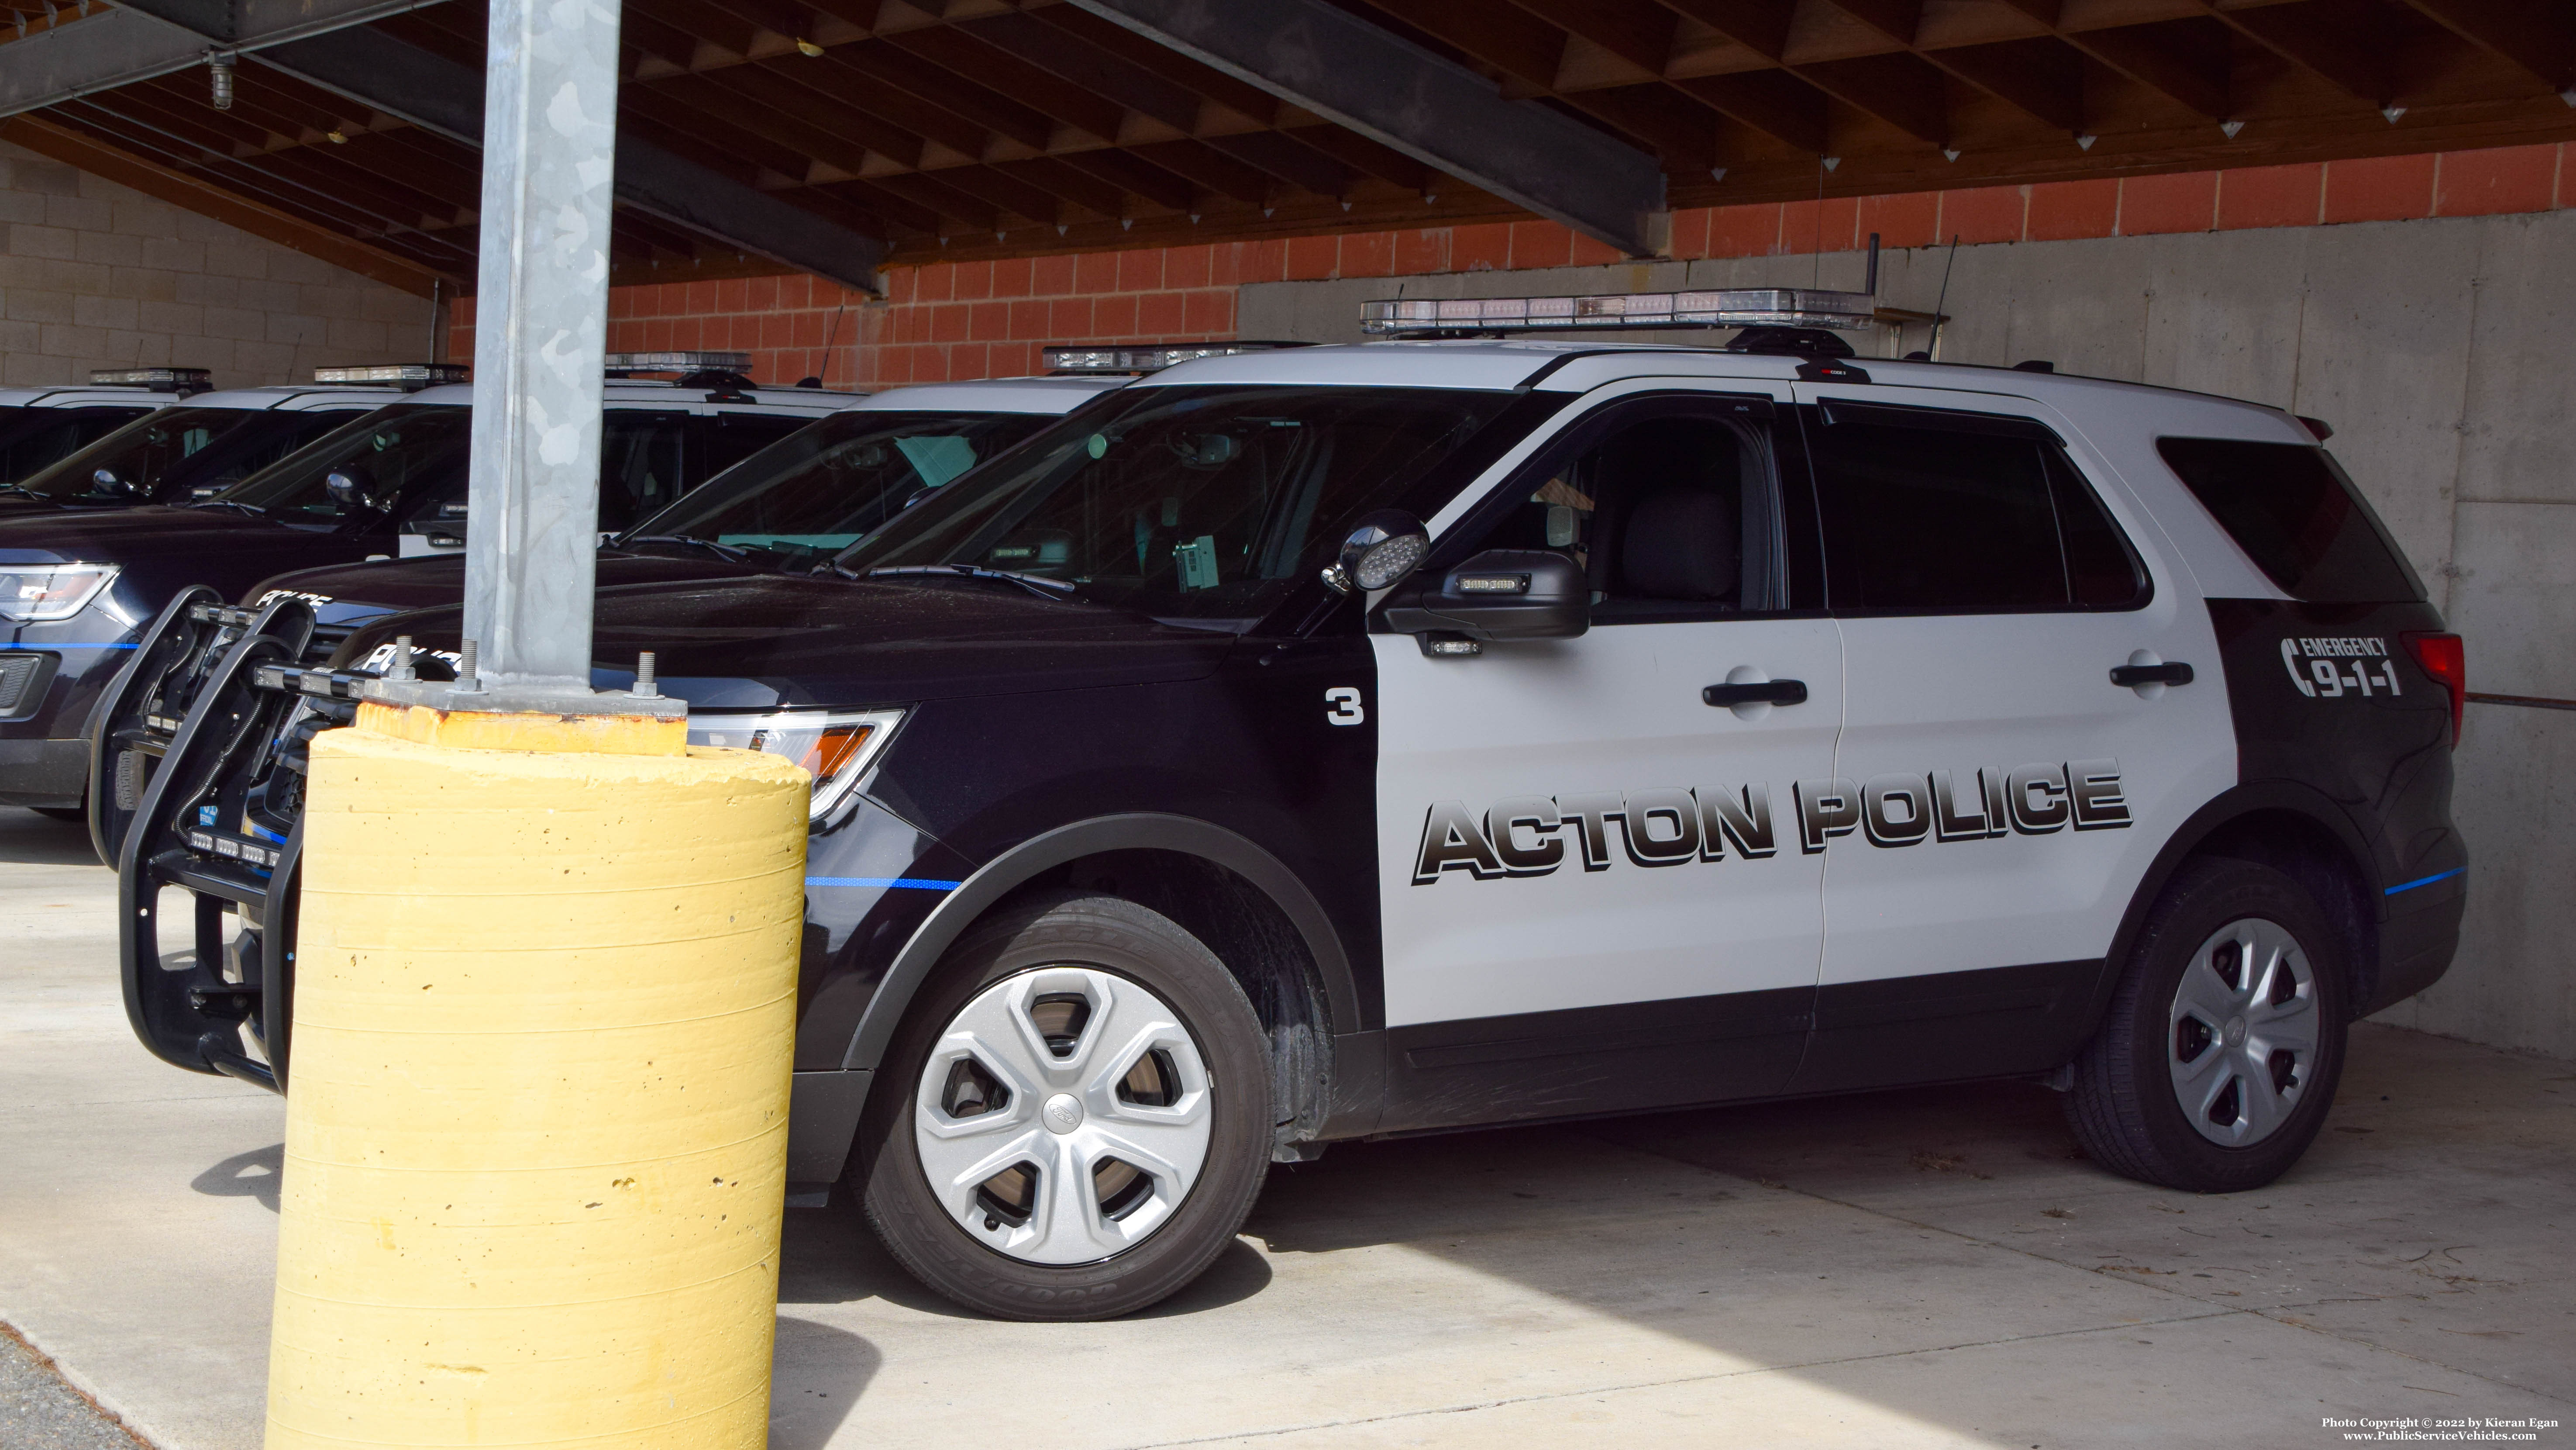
2241, 1041
1063, 1115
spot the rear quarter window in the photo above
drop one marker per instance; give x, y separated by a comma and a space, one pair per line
2292, 510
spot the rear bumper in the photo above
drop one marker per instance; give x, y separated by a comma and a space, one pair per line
2416, 947
39, 772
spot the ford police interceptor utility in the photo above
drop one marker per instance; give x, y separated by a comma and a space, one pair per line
1319, 744
792, 505
39, 426
75, 587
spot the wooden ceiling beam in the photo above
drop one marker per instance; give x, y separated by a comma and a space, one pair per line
1761, 26
780, 85
1510, 39
1903, 90
2537, 35
1217, 173
1132, 173
1639, 32
1072, 184
1666, 121
960, 53
2343, 43
1203, 81
2184, 61
854, 80
979, 105
748, 110
1774, 102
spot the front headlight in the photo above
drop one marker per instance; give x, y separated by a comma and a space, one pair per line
36, 593
836, 747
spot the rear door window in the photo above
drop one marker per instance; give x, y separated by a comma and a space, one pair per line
2293, 511
1930, 511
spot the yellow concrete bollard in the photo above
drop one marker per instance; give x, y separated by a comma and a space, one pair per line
537, 1127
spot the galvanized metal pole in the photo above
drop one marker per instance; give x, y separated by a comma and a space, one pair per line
540, 339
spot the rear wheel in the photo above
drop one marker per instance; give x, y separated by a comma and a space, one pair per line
2219, 1058
1076, 1114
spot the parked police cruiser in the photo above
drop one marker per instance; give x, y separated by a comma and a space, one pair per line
377, 460
40, 426
1313, 745
791, 506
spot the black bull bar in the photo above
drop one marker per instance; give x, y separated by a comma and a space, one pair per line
198, 751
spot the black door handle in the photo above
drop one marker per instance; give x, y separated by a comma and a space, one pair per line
1759, 692
2134, 675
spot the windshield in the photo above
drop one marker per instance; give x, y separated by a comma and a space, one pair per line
31, 438
178, 452
816, 491
1189, 502
395, 461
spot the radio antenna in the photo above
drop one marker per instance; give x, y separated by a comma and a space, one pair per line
1935, 348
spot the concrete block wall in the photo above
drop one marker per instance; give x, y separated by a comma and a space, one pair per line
94, 275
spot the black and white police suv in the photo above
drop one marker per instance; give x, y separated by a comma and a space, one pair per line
1319, 744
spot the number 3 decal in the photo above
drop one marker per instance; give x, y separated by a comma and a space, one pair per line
1346, 706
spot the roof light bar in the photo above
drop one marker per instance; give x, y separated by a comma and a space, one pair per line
1730, 307
160, 380
679, 362
1144, 357
417, 374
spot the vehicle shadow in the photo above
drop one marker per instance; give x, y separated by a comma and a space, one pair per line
28, 839
254, 1174
831, 1256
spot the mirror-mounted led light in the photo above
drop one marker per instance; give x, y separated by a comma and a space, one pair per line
678, 362
836, 748
419, 375
1145, 357
1726, 307
159, 380
36, 593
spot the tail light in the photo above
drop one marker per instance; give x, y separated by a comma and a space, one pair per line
2447, 661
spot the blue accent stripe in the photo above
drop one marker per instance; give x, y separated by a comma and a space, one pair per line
2426, 880
49, 644
882, 883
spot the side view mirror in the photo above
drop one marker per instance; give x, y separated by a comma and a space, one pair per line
1501, 594
348, 488
105, 481
1382, 548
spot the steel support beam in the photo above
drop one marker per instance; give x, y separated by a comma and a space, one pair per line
118, 47
402, 80
1355, 74
549, 129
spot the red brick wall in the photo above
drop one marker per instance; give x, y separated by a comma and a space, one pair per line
988, 319
783, 322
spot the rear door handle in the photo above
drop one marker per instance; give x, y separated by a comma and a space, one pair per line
2132, 676
1758, 692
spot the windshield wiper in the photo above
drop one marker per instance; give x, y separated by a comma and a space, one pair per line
22, 488
1037, 584
727, 550
252, 509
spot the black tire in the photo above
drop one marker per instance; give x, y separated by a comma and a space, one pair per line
2125, 1105
1123, 940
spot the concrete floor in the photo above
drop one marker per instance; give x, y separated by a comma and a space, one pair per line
1930, 1268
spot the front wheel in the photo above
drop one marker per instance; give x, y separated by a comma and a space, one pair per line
2219, 1057
1075, 1117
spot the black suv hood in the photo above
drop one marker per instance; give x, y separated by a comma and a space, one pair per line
767, 641
353, 593
190, 545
